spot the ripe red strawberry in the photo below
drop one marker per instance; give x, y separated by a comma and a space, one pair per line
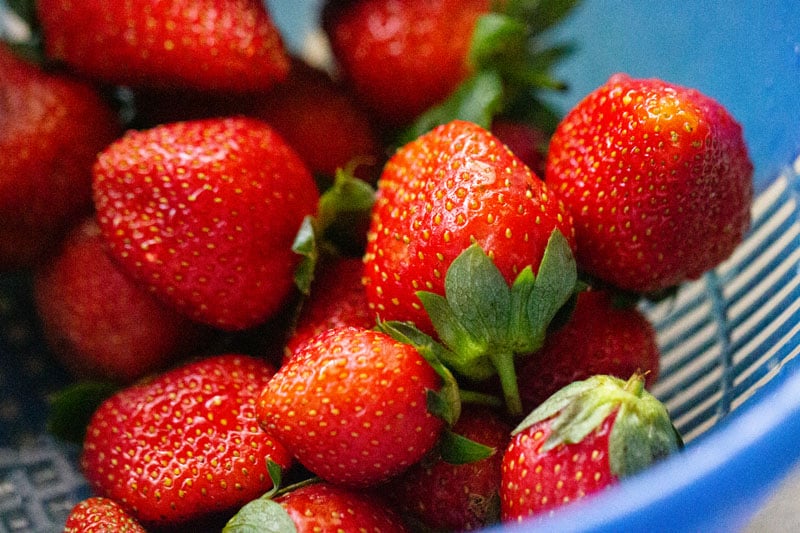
337, 299
184, 445
51, 128
205, 213
317, 507
351, 406
206, 44
602, 336
98, 321
100, 515
457, 497
402, 57
437, 195
584, 438
658, 179
454, 188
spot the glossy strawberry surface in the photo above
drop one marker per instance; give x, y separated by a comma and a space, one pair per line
351, 405
658, 179
185, 444
204, 213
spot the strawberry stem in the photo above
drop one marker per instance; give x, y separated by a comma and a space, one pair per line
504, 364
635, 384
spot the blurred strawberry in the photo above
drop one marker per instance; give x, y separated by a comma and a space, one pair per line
337, 299
98, 321
402, 57
317, 507
203, 44
51, 128
305, 108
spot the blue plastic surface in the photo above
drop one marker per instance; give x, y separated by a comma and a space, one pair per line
730, 374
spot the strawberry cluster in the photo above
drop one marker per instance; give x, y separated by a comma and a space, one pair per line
396, 292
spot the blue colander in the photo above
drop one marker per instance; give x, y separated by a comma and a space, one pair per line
730, 376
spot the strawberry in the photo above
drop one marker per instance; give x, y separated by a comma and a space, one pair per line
317, 506
51, 128
99, 515
658, 179
204, 213
587, 436
437, 195
304, 109
307, 108
184, 445
402, 57
527, 141
207, 45
457, 497
352, 406
337, 299
454, 188
604, 335
98, 321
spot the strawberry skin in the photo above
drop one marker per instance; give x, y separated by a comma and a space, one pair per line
185, 444
535, 481
457, 497
601, 337
98, 321
206, 44
205, 213
437, 195
337, 299
327, 507
100, 515
658, 179
351, 406
402, 57
51, 128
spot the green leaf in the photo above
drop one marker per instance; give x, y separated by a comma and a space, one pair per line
305, 244
478, 99
478, 294
446, 403
466, 354
554, 286
496, 35
262, 515
348, 194
458, 450
72, 408
540, 14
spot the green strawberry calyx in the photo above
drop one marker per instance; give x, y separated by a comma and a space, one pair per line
483, 324
642, 431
